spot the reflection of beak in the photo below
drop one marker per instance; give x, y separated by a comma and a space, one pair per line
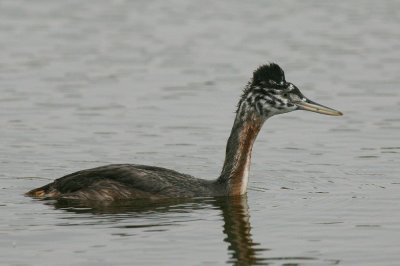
315, 107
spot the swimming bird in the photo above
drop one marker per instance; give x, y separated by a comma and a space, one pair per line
266, 94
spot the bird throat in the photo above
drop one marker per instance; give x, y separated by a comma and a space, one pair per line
235, 172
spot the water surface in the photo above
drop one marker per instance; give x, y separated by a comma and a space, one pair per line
156, 82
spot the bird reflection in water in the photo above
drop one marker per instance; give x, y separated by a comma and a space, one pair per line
235, 212
237, 229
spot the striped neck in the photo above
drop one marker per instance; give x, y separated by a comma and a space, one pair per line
235, 172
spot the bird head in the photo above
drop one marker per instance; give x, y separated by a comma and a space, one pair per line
268, 94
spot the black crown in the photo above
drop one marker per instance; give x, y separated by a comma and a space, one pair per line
267, 73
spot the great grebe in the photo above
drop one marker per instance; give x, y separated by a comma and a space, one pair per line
267, 94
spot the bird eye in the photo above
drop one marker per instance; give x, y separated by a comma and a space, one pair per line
285, 94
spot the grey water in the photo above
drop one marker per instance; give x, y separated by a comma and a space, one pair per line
88, 83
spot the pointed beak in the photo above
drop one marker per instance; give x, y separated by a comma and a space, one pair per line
309, 105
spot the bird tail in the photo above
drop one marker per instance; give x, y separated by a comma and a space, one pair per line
40, 192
